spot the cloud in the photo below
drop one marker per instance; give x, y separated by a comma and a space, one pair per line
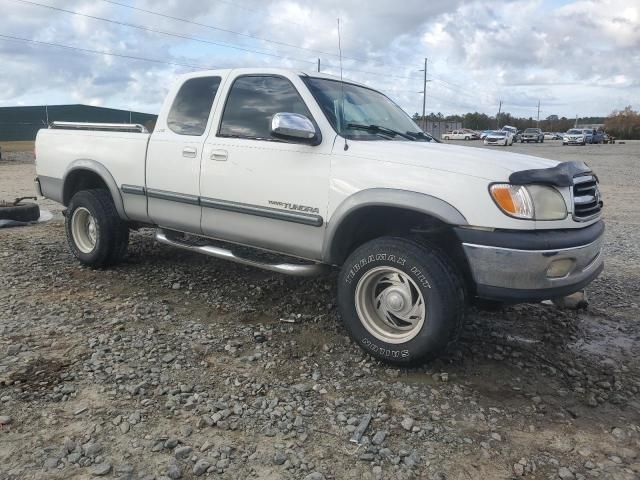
576, 57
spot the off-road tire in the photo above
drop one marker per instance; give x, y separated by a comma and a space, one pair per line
437, 280
112, 233
23, 212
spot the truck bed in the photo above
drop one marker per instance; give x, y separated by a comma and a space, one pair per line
58, 151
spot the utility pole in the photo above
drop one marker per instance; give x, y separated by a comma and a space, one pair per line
318, 65
46, 112
498, 116
424, 98
538, 122
576, 124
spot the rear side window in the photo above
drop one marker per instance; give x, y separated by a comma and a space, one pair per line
190, 110
253, 101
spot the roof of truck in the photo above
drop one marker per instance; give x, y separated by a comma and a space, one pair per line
264, 70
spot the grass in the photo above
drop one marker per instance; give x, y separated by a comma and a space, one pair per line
23, 146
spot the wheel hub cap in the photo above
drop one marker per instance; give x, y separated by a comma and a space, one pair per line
390, 305
84, 230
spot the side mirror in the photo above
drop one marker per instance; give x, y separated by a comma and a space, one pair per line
294, 127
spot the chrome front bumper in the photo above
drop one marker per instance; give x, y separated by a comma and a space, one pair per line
532, 274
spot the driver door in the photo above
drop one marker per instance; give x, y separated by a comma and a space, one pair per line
259, 190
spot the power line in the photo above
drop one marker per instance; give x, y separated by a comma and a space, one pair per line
162, 32
225, 30
102, 52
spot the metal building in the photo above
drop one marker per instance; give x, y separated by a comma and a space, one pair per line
23, 123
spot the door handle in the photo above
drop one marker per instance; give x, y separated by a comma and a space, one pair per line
219, 155
189, 152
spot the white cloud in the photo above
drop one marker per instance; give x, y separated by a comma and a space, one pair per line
581, 57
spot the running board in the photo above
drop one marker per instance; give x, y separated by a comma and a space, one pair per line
295, 269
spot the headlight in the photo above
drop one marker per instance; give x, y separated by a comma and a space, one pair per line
531, 202
566, 139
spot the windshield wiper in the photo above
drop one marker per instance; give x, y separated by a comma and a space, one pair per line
423, 135
378, 129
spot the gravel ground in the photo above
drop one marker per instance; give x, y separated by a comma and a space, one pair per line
173, 365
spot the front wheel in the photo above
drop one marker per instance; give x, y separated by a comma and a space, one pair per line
96, 234
401, 301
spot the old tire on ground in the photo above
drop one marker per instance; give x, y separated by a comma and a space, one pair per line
23, 212
96, 234
401, 301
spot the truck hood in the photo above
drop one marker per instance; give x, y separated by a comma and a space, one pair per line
489, 164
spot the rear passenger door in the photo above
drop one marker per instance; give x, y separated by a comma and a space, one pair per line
175, 152
260, 190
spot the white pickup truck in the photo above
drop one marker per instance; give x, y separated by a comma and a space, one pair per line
329, 174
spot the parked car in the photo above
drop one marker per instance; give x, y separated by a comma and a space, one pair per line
261, 158
474, 135
457, 135
532, 135
576, 136
515, 133
484, 134
499, 137
552, 136
606, 138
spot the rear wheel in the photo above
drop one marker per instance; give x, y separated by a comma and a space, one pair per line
96, 234
401, 301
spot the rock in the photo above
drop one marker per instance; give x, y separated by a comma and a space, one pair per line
91, 449
314, 476
168, 357
279, 458
619, 433
379, 437
407, 423
183, 452
173, 470
518, 469
5, 419
101, 469
125, 427
50, 463
200, 467
565, 473
575, 301
496, 436
69, 445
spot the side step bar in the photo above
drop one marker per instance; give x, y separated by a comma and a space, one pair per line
295, 269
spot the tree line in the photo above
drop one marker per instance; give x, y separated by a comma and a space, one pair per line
621, 124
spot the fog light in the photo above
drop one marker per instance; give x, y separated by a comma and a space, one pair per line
560, 268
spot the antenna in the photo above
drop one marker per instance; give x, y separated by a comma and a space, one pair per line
342, 120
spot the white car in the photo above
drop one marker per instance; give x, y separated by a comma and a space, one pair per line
459, 135
263, 158
499, 137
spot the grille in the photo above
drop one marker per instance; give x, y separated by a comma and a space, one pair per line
586, 197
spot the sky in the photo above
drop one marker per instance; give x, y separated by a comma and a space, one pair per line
577, 57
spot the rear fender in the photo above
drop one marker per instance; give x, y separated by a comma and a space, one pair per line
100, 170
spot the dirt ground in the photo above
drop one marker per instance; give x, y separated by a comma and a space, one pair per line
173, 365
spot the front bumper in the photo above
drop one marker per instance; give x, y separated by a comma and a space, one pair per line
517, 266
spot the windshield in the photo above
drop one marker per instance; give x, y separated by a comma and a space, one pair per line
573, 131
498, 134
363, 107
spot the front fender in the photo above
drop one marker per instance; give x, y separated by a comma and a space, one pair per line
387, 197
